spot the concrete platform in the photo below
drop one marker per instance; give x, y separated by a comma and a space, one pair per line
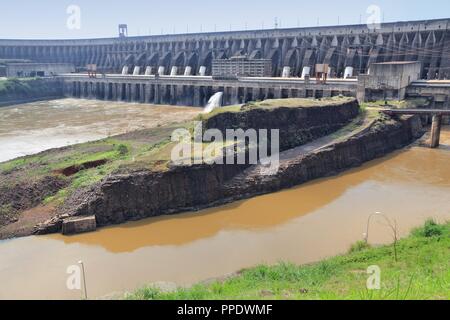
79, 225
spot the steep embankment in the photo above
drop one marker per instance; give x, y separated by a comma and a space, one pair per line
131, 177
144, 193
15, 91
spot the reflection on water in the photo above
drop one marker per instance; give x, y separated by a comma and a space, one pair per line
303, 224
34, 127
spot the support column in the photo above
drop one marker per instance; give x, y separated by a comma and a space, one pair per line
436, 131
114, 92
157, 94
133, 93
234, 95
277, 93
197, 102
89, 85
119, 87
142, 92
173, 95
127, 92
107, 92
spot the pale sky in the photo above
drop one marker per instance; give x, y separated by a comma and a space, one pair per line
47, 19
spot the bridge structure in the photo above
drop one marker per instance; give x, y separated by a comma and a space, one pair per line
437, 115
353, 47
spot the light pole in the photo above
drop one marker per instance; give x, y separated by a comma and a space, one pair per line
84, 279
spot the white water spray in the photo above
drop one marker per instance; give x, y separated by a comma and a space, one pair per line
214, 102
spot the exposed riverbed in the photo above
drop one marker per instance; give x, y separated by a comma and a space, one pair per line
304, 224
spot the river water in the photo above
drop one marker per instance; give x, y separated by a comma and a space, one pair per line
302, 225
31, 128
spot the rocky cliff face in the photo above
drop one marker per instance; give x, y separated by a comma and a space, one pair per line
297, 125
381, 138
144, 194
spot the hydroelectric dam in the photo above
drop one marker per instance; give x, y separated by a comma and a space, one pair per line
355, 46
178, 69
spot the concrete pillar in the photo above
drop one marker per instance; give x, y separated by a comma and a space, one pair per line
107, 91
245, 95
202, 71
77, 89
142, 93
436, 131
157, 94
174, 71
262, 94
127, 92
277, 93
173, 95
188, 71
114, 92
286, 72
148, 90
133, 93
119, 91
197, 102
306, 72
234, 95
148, 71
90, 90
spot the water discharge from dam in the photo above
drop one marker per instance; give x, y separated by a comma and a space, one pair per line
214, 102
304, 224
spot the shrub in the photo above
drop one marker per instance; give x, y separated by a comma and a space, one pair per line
432, 229
359, 246
122, 149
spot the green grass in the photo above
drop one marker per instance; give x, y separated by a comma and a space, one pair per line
25, 87
400, 104
277, 103
422, 272
120, 152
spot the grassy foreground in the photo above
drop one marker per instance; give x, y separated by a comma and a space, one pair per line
422, 271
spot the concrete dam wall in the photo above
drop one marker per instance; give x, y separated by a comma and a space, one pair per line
354, 46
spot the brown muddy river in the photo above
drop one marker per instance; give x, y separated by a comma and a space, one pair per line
304, 224
33, 127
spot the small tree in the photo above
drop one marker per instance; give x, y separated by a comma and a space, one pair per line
392, 224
